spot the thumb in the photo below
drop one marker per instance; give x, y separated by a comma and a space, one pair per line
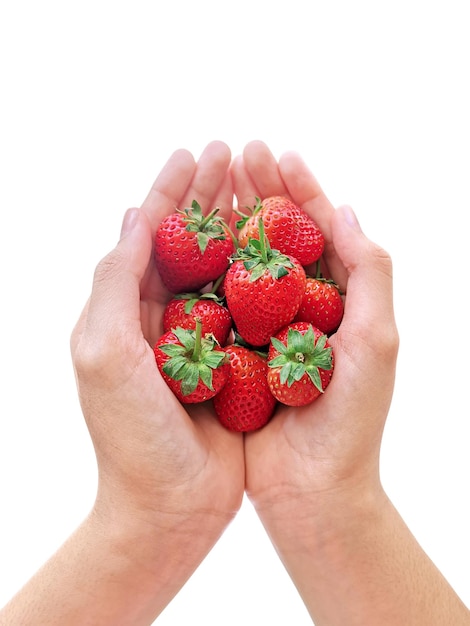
116, 285
369, 287
114, 304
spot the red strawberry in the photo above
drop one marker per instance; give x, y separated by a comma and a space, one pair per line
183, 310
288, 228
301, 364
322, 305
194, 367
263, 289
192, 250
245, 403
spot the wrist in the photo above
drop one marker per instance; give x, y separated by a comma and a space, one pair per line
114, 569
351, 557
321, 538
179, 523
197, 505
297, 520
149, 558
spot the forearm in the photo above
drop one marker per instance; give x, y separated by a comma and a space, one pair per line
112, 572
360, 565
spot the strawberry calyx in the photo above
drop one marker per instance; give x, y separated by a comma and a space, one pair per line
194, 298
193, 358
321, 279
211, 226
258, 256
245, 217
301, 355
239, 341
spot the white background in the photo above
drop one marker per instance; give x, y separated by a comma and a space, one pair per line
94, 98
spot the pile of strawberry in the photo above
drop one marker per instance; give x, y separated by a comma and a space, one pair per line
247, 327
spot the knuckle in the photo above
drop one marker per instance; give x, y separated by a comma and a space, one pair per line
382, 260
388, 345
92, 358
109, 267
109, 360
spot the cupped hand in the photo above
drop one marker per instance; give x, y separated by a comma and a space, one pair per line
332, 444
156, 457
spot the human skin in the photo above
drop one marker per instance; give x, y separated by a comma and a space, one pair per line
312, 473
171, 478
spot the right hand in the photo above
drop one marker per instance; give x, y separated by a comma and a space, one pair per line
331, 446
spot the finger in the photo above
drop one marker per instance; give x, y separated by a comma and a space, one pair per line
244, 188
224, 198
170, 186
306, 192
255, 174
114, 304
209, 181
262, 167
369, 300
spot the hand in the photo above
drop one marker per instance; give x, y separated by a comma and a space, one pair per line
312, 473
332, 444
169, 479
156, 458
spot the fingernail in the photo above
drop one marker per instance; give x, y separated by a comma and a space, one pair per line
350, 217
129, 221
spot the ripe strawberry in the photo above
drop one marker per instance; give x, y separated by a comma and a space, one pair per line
245, 403
263, 290
192, 250
195, 368
288, 228
183, 309
301, 364
322, 305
